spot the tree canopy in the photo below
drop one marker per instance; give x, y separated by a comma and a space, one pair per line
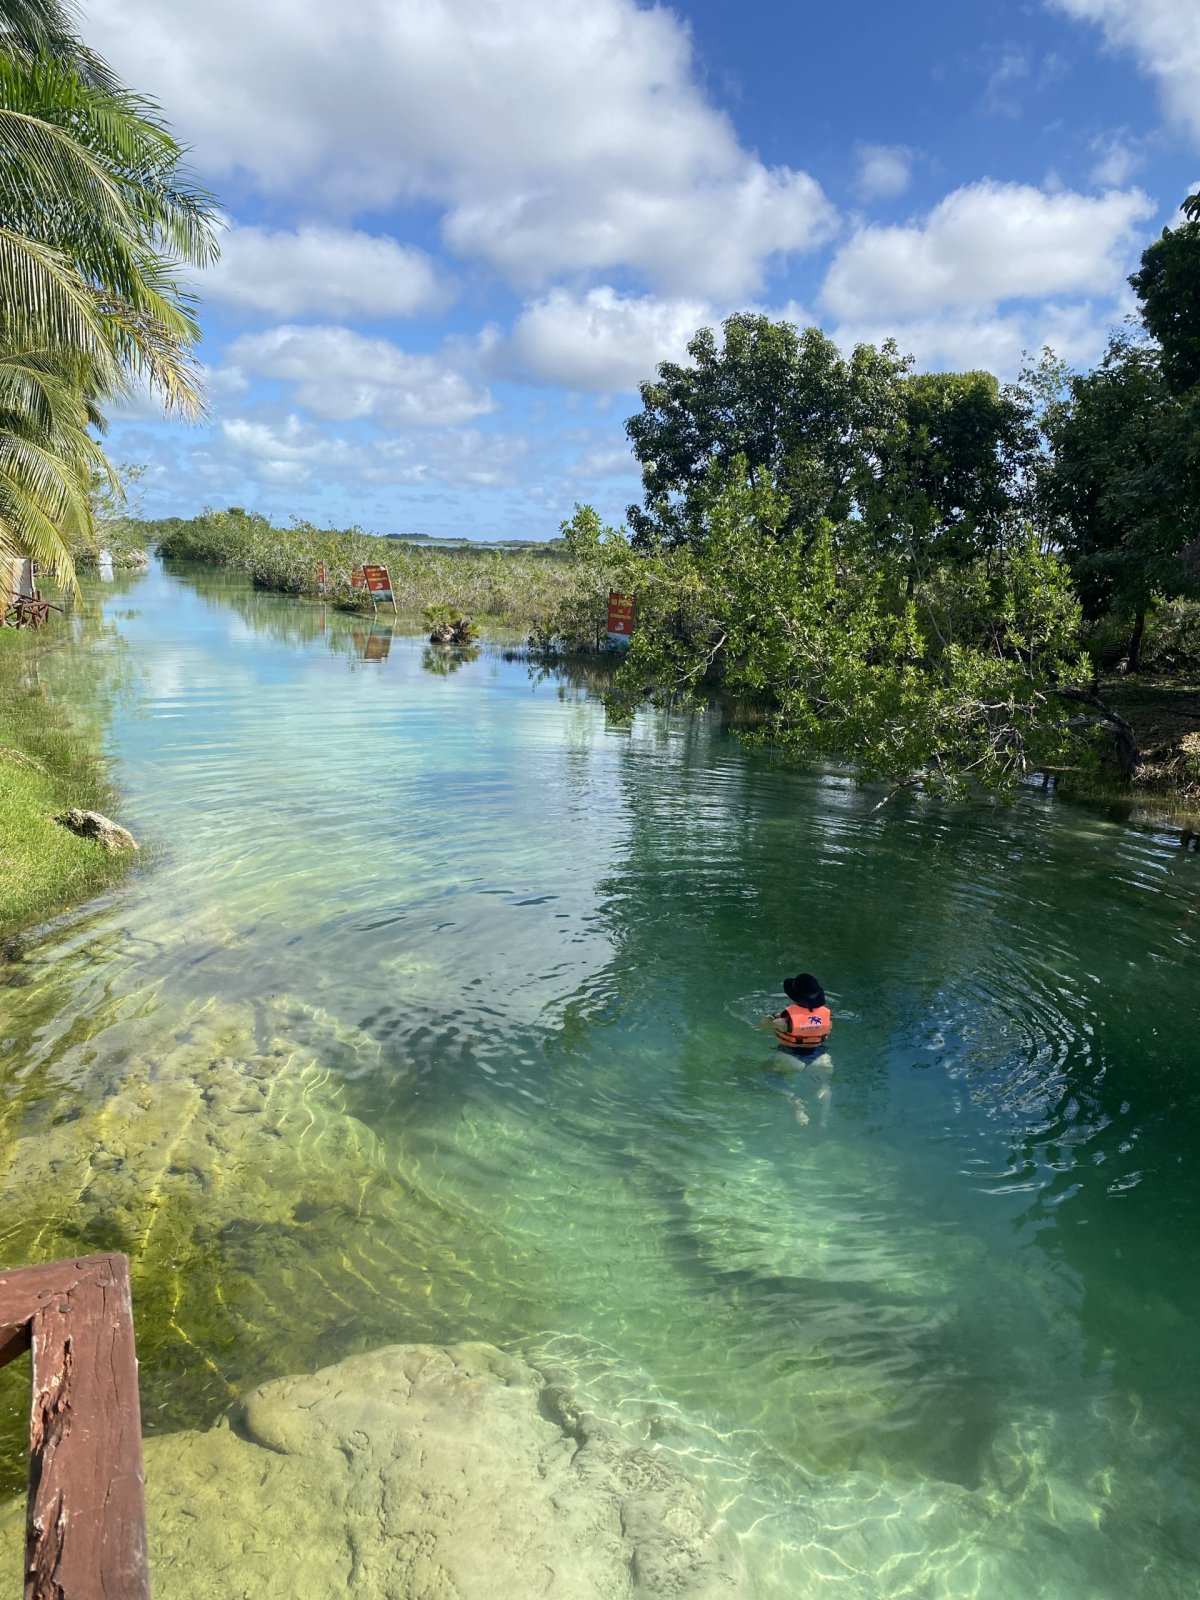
787, 402
1168, 286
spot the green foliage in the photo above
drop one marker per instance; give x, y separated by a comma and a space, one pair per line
114, 496
946, 484
1173, 638
598, 559
960, 685
98, 220
1123, 488
786, 402
915, 468
447, 625
1168, 286
584, 535
520, 588
33, 28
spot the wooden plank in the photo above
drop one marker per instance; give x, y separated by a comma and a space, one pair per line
86, 1524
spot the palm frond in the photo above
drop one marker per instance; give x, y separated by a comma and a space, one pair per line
44, 506
48, 27
45, 306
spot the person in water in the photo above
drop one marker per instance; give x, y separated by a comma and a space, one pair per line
805, 1024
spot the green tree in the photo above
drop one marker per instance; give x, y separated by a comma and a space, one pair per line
1168, 286
787, 402
98, 219
947, 481
598, 557
583, 534
1124, 488
978, 690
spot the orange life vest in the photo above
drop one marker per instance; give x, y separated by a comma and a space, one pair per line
806, 1028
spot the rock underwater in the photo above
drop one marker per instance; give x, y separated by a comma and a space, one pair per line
425, 1472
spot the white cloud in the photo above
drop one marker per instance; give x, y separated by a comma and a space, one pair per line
342, 376
710, 237
611, 461
460, 457
1000, 97
1164, 37
599, 340
983, 244
571, 136
337, 272
884, 171
289, 452
1117, 159
964, 340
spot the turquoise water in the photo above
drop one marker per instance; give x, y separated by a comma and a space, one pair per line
429, 1019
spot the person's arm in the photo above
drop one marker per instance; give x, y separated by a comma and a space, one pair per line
771, 1022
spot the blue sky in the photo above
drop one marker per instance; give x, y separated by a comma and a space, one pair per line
459, 232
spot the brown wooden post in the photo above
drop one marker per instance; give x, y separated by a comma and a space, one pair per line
85, 1535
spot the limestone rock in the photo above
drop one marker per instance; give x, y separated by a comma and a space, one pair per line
93, 825
422, 1472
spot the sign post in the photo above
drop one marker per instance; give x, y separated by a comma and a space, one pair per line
620, 619
379, 586
321, 576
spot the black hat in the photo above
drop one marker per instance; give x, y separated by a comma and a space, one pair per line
804, 990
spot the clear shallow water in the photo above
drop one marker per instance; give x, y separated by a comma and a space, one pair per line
429, 1021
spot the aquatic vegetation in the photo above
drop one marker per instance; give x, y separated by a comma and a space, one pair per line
518, 587
447, 625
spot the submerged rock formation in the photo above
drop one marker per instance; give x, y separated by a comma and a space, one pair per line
421, 1472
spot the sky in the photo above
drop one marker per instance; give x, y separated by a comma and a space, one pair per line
459, 233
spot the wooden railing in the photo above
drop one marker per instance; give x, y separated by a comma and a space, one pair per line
85, 1535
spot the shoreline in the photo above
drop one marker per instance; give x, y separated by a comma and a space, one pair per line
51, 759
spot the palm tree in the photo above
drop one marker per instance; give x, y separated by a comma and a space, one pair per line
48, 28
97, 220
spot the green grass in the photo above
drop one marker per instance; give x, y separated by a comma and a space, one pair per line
47, 763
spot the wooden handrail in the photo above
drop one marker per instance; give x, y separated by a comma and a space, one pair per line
85, 1531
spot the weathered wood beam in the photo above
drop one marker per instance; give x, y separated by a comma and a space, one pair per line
85, 1533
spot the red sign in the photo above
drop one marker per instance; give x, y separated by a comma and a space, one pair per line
320, 575
357, 581
379, 585
620, 616
378, 581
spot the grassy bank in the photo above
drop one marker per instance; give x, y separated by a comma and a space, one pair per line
48, 763
519, 588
